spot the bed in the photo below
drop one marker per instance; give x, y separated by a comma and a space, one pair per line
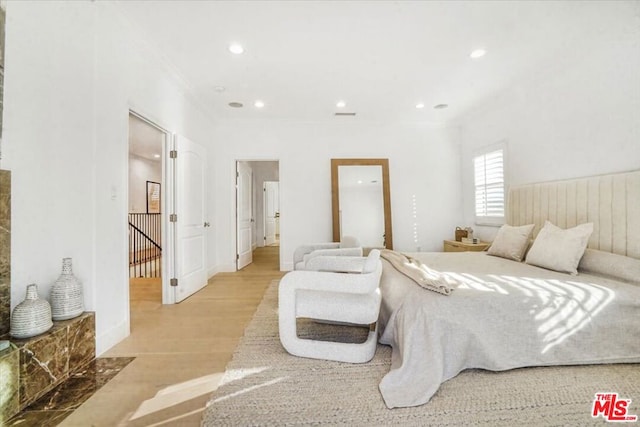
505, 314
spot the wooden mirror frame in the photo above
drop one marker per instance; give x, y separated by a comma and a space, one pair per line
386, 194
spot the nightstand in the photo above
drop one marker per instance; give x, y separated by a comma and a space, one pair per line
454, 246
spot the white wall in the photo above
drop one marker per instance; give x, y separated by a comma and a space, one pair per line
578, 116
141, 170
424, 164
48, 144
73, 71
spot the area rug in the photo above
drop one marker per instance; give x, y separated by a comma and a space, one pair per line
264, 385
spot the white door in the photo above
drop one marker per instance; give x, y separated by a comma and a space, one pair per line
244, 220
270, 211
190, 241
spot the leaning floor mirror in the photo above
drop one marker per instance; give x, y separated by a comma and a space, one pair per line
361, 201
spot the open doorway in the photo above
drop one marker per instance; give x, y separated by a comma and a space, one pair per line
257, 210
145, 211
271, 213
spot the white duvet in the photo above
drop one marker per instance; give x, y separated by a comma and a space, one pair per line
503, 315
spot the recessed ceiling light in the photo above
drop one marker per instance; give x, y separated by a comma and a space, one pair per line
478, 53
359, 181
235, 104
258, 104
341, 104
419, 105
219, 89
236, 48
440, 106
157, 156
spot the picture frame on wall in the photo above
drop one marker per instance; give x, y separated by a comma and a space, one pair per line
153, 197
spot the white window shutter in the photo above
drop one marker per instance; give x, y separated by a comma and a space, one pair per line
490, 187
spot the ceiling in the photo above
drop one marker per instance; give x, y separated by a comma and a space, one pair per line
380, 57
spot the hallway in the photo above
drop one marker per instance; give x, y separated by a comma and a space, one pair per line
180, 351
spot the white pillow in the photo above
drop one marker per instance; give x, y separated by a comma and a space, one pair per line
511, 242
615, 266
558, 249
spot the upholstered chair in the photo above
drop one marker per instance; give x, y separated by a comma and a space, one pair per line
348, 246
347, 294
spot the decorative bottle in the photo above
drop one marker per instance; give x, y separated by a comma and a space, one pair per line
67, 301
32, 316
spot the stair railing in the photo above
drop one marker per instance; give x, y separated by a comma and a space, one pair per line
145, 252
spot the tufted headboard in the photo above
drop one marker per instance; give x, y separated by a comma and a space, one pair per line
610, 202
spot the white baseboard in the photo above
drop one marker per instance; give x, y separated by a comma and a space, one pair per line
224, 268
113, 336
212, 272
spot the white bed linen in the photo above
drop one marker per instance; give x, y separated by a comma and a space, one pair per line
504, 315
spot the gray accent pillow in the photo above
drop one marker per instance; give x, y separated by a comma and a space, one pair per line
511, 242
558, 249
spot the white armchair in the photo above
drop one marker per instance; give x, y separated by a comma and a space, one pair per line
335, 297
349, 246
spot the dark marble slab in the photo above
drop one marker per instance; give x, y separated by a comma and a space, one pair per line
38, 419
82, 338
48, 359
44, 362
9, 383
59, 403
5, 252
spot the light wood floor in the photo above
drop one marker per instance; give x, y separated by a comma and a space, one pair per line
181, 350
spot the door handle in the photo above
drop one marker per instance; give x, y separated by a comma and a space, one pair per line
207, 224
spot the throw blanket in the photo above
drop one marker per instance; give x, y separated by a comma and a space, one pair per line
418, 272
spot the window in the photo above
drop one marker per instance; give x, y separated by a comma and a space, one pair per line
489, 186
